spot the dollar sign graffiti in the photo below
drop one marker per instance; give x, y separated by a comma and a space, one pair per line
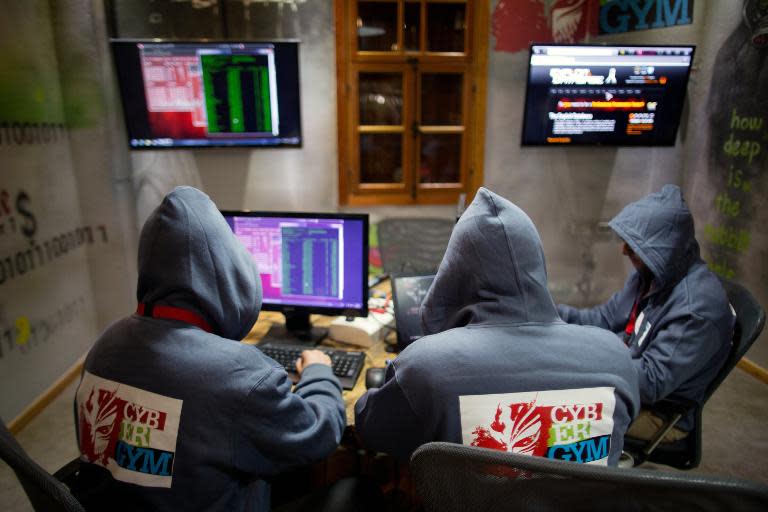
29, 228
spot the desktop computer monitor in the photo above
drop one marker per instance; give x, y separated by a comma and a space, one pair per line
612, 95
206, 94
308, 263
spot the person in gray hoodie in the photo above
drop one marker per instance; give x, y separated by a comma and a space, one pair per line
672, 313
174, 413
498, 368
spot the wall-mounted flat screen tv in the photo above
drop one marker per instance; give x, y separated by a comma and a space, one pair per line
200, 94
599, 94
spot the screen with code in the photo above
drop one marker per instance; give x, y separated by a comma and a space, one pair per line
312, 260
208, 93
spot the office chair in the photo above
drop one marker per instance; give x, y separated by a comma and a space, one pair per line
413, 246
686, 453
46, 492
452, 477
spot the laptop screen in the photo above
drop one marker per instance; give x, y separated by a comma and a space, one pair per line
407, 294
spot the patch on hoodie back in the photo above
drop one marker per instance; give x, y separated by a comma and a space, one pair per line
566, 424
129, 431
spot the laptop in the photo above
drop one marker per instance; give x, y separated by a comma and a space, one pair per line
407, 294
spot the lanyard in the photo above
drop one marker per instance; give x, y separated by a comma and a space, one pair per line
630, 328
171, 313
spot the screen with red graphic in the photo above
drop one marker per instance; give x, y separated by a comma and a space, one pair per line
209, 94
611, 95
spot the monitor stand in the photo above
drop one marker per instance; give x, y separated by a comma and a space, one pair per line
298, 330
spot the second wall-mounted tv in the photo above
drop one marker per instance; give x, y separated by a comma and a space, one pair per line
605, 95
199, 94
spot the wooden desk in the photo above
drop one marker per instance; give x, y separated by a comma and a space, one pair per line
376, 356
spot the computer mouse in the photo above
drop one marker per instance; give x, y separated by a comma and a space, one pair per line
374, 377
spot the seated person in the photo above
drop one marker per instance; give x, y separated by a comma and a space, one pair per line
498, 368
174, 413
672, 313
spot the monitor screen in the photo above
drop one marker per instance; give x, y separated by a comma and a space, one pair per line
612, 95
308, 262
209, 94
408, 293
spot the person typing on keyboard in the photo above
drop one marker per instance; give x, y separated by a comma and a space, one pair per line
309, 357
174, 413
346, 364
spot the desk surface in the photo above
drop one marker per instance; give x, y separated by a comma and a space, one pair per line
376, 356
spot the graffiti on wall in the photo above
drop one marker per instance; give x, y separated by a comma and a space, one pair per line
17, 217
27, 333
516, 24
24, 254
618, 16
738, 140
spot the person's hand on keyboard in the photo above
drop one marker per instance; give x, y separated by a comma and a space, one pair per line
309, 357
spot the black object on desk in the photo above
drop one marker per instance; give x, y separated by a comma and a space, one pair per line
407, 295
346, 364
374, 377
413, 246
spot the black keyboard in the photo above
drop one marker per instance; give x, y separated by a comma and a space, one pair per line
346, 364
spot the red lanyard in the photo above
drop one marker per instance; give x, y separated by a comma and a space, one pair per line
171, 313
630, 328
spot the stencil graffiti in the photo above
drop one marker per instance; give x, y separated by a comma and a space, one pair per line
24, 333
17, 217
517, 24
738, 140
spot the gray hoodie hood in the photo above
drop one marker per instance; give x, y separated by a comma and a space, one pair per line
190, 259
483, 281
659, 229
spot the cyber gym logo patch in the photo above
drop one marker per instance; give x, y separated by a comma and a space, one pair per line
129, 431
566, 424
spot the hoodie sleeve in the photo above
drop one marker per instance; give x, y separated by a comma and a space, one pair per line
678, 351
605, 315
281, 429
385, 420
612, 315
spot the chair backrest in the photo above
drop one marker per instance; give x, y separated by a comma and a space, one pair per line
44, 491
686, 453
750, 320
452, 477
413, 246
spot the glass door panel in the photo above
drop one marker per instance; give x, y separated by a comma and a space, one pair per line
380, 98
407, 114
446, 25
376, 26
381, 158
441, 98
412, 27
440, 158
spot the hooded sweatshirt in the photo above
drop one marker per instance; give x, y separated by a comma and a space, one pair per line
682, 333
498, 368
180, 413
